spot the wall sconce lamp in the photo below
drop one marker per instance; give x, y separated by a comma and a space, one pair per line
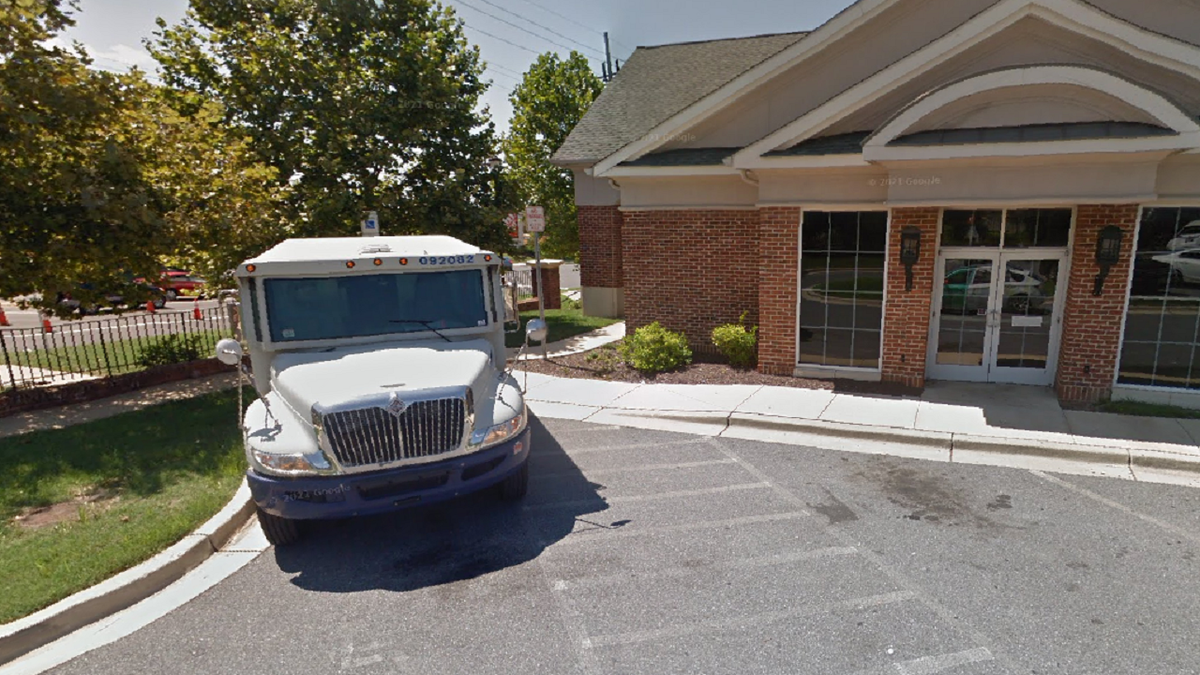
1108, 253
910, 253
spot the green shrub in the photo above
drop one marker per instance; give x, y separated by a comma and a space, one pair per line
737, 343
170, 349
654, 349
571, 304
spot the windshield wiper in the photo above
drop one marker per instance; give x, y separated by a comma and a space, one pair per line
423, 322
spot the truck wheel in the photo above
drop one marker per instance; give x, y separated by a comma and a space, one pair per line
515, 486
279, 531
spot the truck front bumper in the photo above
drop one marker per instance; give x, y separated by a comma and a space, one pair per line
324, 497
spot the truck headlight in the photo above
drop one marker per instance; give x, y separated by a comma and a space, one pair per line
486, 438
295, 463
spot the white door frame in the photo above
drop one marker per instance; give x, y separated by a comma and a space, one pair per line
989, 371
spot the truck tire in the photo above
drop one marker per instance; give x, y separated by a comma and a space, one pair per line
279, 531
515, 486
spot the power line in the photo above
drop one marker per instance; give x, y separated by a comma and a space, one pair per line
520, 28
505, 40
496, 73
543, 27
568, 19
504, 69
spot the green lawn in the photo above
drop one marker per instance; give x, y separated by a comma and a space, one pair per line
563, 323
121, 356
131, 486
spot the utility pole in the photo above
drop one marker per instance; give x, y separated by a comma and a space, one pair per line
608, 66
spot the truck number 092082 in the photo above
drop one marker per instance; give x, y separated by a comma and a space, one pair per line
447, 260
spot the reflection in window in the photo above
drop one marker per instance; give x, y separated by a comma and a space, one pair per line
843, 256
1162, 323
971, 228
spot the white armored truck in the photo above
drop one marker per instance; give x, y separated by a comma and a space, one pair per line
380, 370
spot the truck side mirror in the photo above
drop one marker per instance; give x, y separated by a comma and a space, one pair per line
536, 331
229, 352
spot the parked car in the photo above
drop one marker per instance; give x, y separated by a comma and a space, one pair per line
967, 289
1186, 238
113, 299
181, 282
1186, 263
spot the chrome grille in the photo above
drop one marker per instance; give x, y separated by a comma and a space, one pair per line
375, 436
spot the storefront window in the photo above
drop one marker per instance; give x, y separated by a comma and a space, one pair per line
843, 256
1016, 228
1162, 324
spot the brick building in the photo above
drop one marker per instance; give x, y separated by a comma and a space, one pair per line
915, 190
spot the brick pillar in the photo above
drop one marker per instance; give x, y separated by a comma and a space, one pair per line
779, 251
906, 319
1091, 332
600, 259
549, 276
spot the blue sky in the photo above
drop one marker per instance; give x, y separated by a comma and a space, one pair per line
510, 33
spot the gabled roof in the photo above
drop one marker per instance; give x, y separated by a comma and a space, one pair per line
658, 82
1032, 133
685, 157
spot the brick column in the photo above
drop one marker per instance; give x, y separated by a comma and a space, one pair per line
600, 258
549, 276
778, 253
906, 319
1091, 332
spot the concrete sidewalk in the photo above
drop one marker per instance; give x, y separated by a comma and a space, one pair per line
574, 345
1013, 426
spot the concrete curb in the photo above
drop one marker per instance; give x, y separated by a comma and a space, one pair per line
129, 587
1098, 458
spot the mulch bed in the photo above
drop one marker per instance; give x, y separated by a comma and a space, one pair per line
605, 364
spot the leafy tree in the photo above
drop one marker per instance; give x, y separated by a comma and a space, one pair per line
101, 179
74, 204
358, 105
550, 100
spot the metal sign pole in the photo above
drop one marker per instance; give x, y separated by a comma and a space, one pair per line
541, 284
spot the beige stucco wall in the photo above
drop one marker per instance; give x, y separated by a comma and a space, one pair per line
896, 33
1179, 178
591, 191
1116, 179
873, 47
1029, 42
824, 186
1032, 104
687, 191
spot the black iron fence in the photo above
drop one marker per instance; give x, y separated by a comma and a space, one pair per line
95, 348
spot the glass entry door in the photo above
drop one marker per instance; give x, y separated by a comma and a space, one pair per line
997, 317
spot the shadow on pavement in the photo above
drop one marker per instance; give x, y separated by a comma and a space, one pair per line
443, 543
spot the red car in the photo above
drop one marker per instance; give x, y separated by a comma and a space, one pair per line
181, 282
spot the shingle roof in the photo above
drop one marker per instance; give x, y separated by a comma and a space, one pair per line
841, 144
658, 82
684, 157
1029, 133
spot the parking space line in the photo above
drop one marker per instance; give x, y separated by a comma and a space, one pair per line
657, 496
741, 563
1173, 529
741, 622
878, 561
929, 665
636, 446
576, 537
634, 469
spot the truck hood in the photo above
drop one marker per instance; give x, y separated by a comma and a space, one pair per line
344, 375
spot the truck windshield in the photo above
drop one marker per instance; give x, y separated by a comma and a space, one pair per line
378, 304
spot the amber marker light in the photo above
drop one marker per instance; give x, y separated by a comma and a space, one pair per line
404, 261
251, 268
378, 262
349, 264
487, 258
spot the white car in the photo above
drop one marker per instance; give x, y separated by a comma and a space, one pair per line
1188, 237
1186, 263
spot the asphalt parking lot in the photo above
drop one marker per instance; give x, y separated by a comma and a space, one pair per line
651, 552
